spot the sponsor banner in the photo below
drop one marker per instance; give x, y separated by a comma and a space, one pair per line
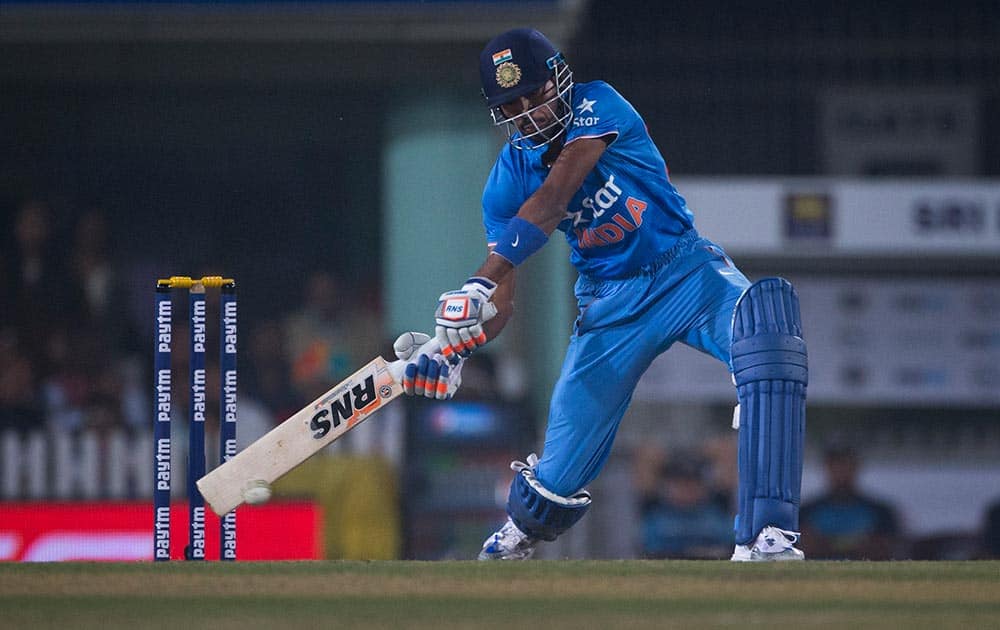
899, 131
123, 531
894, 341
848, 217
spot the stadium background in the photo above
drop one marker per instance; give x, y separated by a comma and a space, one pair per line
323, 153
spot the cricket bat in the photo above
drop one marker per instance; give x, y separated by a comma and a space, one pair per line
325, 420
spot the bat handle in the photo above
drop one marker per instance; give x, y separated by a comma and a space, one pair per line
397, 367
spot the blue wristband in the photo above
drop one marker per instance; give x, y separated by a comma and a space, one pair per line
519, 240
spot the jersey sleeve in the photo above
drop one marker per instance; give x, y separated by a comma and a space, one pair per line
501, 197
598, 111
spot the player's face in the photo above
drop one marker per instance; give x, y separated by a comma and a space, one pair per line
540, 118
536, 119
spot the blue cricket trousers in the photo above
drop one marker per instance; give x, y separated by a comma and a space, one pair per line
687, 295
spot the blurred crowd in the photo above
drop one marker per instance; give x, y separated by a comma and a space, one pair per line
687, 497
66, 357
76, 353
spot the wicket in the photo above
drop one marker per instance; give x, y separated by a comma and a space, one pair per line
163, 316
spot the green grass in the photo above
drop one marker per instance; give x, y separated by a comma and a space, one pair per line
532, 595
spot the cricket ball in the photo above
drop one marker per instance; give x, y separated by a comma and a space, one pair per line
257, 492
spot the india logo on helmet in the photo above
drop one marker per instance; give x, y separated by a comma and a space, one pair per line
508, 74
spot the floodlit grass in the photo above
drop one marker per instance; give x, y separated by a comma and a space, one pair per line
546, 595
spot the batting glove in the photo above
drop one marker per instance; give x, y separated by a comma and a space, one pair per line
427, 376
460, 316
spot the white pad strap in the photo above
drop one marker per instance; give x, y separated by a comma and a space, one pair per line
579, 499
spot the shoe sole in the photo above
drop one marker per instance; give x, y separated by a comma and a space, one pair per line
781, 556
519, 556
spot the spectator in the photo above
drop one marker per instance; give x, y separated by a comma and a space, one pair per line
329, 337
720, 451
37, 294
267, 375
845, 524
681, 519
67, 384
92, 269
19, 408
991, 532
99, 289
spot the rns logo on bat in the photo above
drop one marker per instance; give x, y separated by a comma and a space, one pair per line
355, 402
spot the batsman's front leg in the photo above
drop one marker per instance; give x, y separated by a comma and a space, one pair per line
547, 496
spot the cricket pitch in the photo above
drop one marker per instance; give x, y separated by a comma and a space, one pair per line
538, 594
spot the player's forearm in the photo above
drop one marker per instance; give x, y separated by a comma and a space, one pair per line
493, 327
496, 268
545, 209
504, 301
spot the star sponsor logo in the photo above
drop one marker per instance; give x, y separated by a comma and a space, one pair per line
586, 105
607, 231
577, 217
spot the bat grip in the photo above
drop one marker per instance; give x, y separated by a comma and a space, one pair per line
397, 367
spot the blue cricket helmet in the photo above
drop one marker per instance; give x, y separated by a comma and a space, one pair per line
517, 63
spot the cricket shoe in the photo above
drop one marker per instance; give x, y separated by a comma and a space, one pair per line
772, 544
508, 543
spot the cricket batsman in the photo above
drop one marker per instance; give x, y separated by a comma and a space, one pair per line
580, 160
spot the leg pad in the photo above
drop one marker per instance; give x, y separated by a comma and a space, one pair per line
771, 372
538, 512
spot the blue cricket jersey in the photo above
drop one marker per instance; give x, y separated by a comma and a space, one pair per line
626, 213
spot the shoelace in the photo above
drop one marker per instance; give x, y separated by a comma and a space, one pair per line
788, 537
506, 533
